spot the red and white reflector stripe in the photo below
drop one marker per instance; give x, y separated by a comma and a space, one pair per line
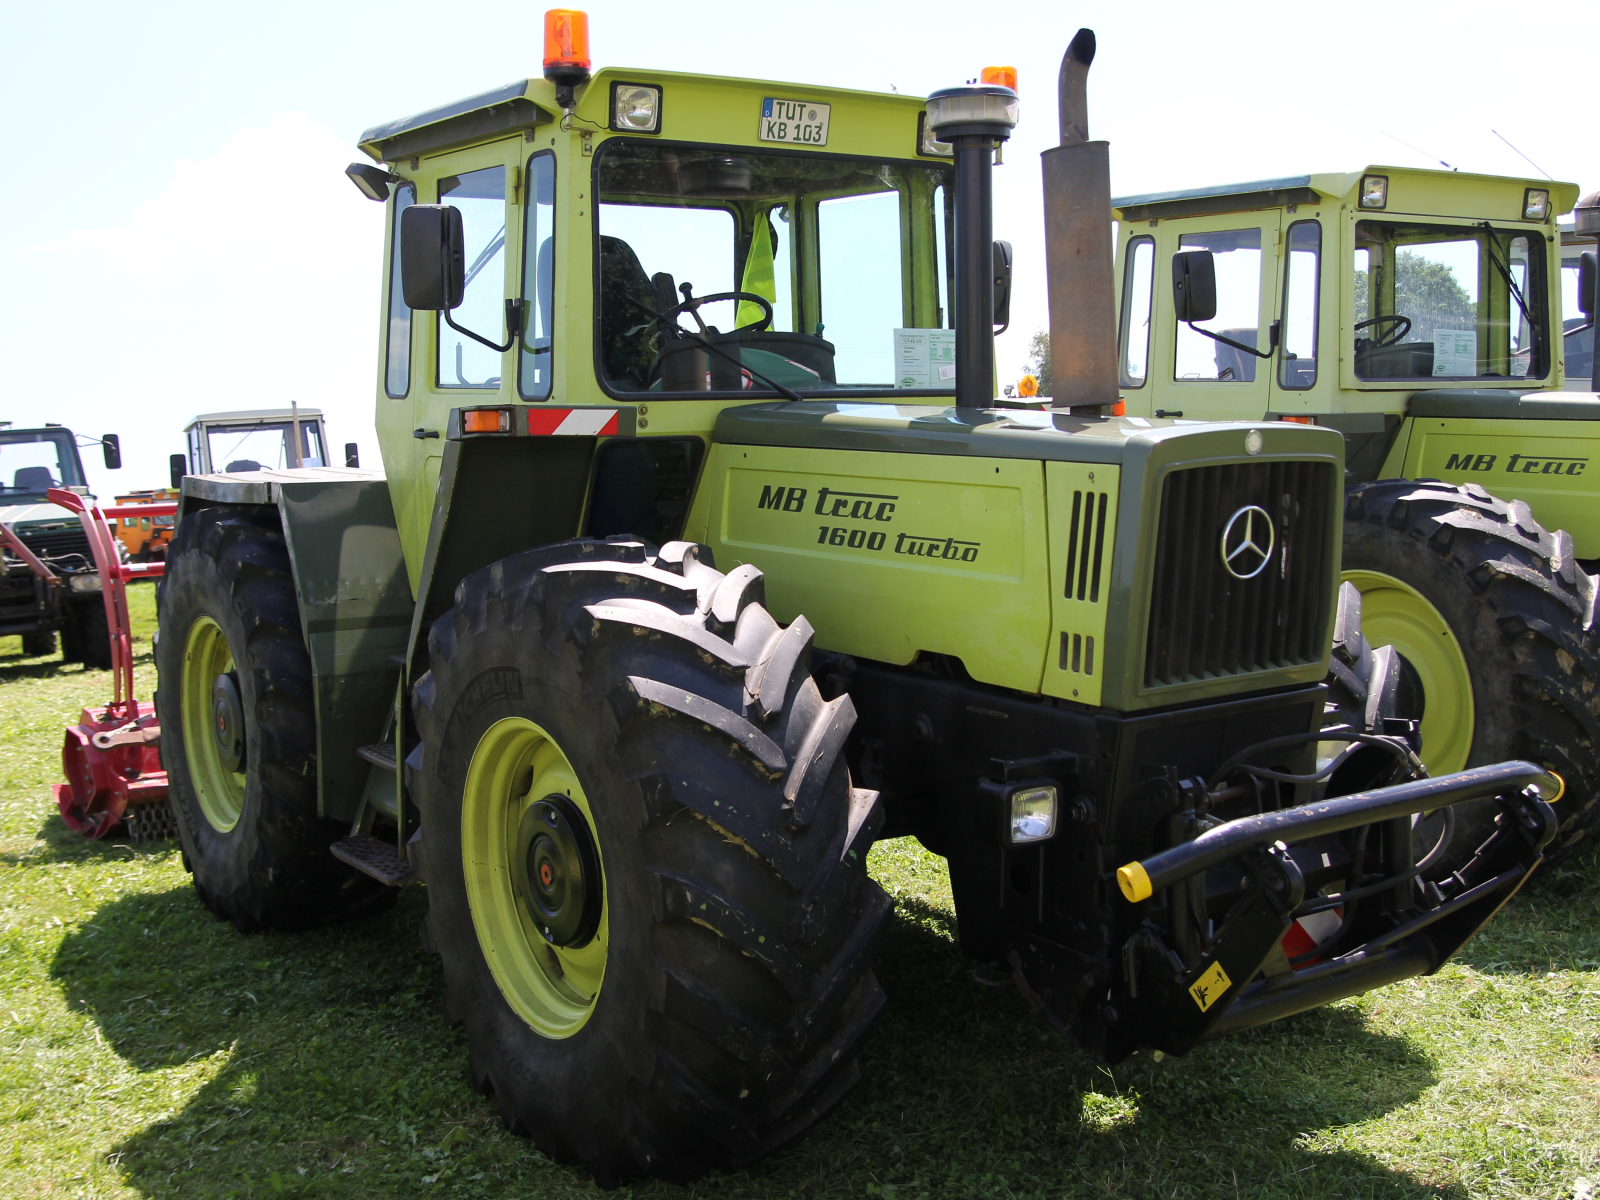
572, 422
1309, 932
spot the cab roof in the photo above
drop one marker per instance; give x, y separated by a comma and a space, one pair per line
253, 416
1412, 190
528, 103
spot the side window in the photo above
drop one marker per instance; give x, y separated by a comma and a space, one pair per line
538, 278
1138, 278
397, 358
860, 283
1297, 367
1237, 255
481, 198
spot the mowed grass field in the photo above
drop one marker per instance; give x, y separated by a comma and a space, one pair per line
147, 1049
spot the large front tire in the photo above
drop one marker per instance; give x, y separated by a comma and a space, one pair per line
700, 1003
246, 807
1495, 618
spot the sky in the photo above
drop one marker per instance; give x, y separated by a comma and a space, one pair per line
199, 248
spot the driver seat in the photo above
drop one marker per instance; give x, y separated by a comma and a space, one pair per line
627, 301
33, 479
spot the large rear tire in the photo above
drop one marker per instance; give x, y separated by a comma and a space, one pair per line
695, 995
246, 807
1496, 619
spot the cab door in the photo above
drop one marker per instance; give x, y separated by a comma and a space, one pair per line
450, 369
1189, 373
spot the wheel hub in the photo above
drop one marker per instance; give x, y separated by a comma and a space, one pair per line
227, 721
560, 878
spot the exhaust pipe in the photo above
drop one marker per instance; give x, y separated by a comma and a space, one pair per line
1077, 246
975, 120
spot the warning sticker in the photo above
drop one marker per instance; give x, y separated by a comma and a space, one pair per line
1209, 987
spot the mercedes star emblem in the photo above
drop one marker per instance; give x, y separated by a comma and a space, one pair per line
1242, 554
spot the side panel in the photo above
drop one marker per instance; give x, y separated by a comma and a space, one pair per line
1554, 466
1083, 531
891, 554
355, 606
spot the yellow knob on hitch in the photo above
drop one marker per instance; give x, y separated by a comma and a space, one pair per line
1133, 881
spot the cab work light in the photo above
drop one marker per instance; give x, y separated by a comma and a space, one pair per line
486, 420
1374, 191
635, 108
1033, 815
1536, 204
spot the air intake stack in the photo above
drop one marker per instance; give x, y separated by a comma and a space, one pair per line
1077, 246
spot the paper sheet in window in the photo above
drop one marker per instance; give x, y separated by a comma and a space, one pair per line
925, 358
1455, 352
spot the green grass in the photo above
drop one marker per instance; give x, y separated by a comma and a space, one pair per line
149, 1050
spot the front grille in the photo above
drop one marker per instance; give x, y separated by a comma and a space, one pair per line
68, 546
1207, 624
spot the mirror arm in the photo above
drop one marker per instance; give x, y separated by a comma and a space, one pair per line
513, 327
1272, 340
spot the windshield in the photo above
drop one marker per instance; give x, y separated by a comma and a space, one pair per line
1449, 302
741, 272
263, 446
34, 460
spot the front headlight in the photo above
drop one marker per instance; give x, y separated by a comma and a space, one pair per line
89, 581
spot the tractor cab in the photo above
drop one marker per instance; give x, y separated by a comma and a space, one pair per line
1340, 293
262, 439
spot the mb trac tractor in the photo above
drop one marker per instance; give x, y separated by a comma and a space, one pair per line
48, 582
253, 440
1419, 315
703, 557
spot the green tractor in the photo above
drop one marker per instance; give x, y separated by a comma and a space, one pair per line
1419, 315
703, 557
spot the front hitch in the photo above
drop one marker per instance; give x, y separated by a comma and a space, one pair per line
1258, 867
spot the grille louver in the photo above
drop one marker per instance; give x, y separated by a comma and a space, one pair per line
1086, 546
1207, 624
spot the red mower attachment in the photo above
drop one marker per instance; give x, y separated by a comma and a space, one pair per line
112, 757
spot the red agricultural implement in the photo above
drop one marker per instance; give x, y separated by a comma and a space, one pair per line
112, 757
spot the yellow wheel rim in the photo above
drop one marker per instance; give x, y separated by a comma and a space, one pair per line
219, 790
1393, 613
516, 765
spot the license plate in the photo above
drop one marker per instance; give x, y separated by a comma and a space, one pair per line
798, 121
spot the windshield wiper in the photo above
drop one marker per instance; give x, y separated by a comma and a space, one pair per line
1505, 274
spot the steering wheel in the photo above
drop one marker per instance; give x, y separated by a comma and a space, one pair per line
694, 302
1402, 327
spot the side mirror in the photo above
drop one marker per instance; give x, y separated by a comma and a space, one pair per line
1588, 271
432, 257
178, 465
352, 456
1194, 285
1002, 284
111, 446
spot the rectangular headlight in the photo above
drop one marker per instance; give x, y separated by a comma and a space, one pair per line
1536, 204
635, 108
89, 581
1033, 815
1374, 191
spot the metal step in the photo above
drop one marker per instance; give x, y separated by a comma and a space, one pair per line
374, 857
379, 755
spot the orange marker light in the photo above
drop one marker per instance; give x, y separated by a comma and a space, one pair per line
1004, 76
566, 39
1028, 385
486, 420
1119, 409
1300, 420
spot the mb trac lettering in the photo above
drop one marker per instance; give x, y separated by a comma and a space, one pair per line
1471, 462
1544, 464
857, 506
782, 499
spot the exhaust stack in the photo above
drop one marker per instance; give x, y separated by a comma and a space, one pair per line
1077, 246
